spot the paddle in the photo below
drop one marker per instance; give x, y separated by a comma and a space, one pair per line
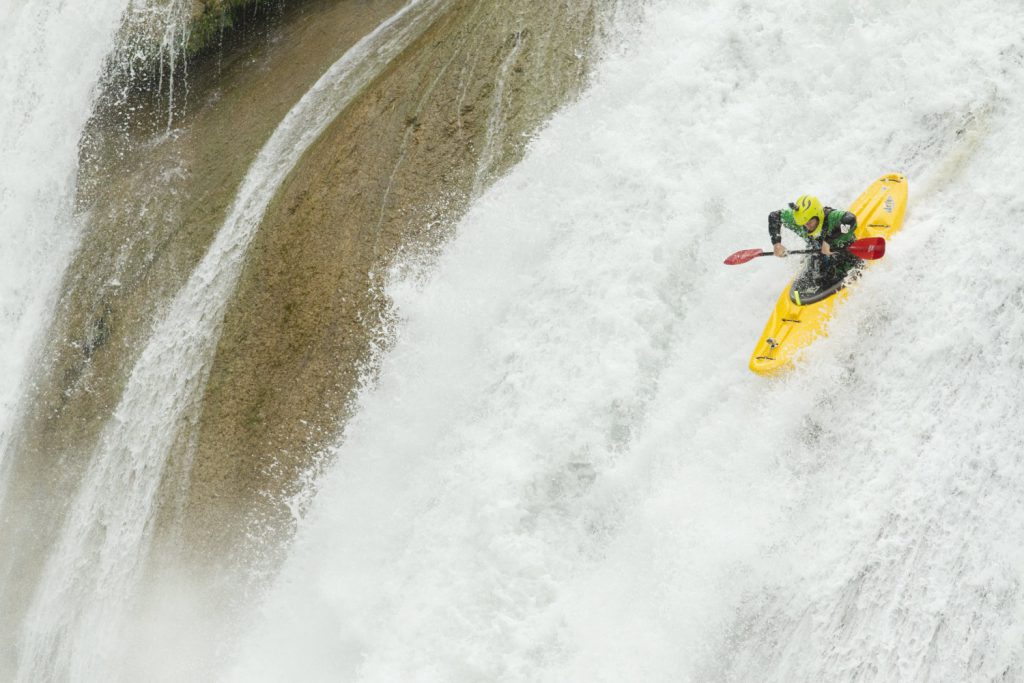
869, 249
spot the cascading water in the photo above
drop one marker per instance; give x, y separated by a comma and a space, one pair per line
51, 58
566, 472
79, 619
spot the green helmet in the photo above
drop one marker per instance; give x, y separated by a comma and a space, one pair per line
806, 208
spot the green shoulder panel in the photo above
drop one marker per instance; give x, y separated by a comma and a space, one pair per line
790, 222
832, 228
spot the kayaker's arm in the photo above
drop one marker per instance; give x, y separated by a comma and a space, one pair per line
775, 226
775, 233
776, 219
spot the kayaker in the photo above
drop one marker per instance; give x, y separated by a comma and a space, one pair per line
824, 228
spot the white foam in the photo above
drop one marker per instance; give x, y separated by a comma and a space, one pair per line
566, 472
79, 622
51, 57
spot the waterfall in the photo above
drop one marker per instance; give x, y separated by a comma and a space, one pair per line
561, 468
79, 618
51, 58
565, 471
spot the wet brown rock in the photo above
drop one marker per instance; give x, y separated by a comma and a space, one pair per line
155, 183
394, 170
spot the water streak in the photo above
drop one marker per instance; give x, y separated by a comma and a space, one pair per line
76, 624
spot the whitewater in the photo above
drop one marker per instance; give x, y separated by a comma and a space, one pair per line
47, 76
565, 470
80, 618
560, 468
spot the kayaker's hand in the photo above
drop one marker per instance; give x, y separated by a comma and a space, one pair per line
779, 250
825, 249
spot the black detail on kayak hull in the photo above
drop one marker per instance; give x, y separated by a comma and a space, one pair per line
819, 281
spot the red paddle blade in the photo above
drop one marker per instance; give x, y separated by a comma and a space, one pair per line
869, 248
744, 256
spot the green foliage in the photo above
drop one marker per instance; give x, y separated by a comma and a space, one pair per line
215, 18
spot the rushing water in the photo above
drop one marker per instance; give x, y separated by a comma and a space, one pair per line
51, 59
54, 58
79, 618
566, 471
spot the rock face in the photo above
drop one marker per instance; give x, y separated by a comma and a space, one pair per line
395, 170
210, 19
155, 182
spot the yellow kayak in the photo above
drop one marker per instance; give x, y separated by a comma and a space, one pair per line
879, 210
